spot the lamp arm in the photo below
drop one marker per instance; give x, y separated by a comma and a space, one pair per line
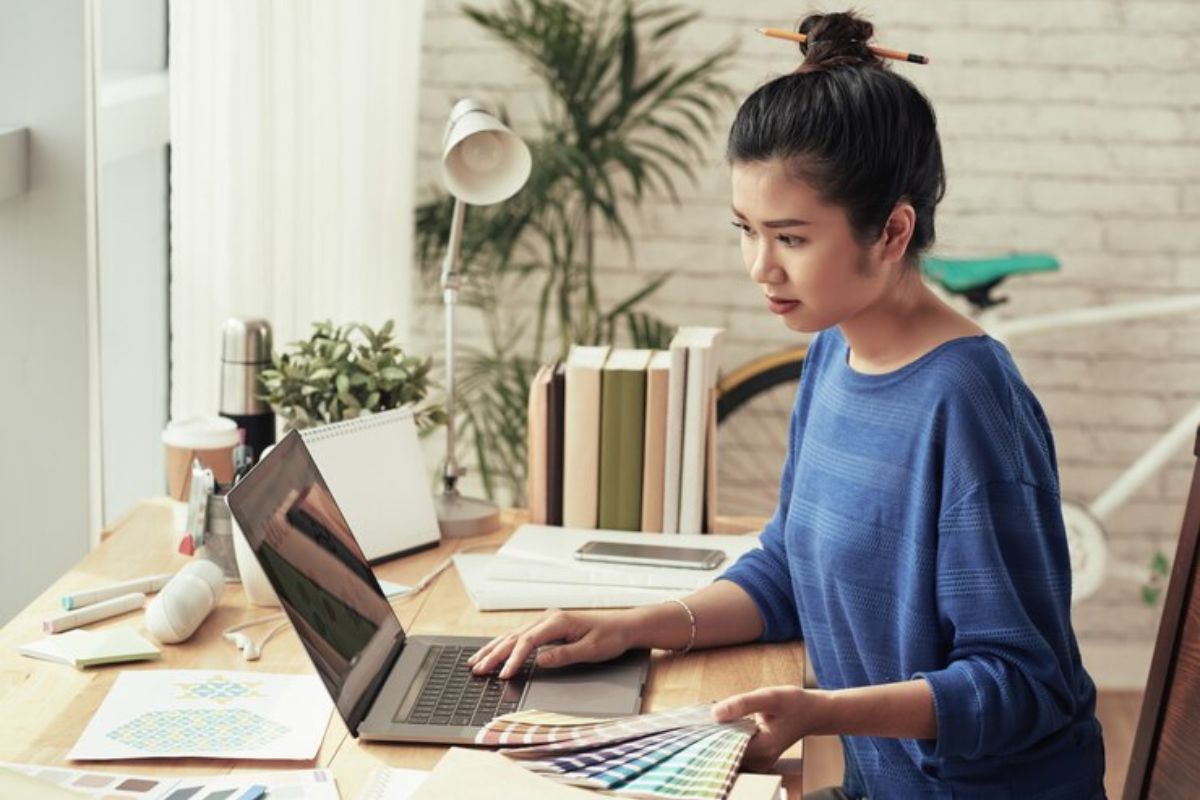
451, 283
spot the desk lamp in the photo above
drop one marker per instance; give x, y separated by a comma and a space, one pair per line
483, 162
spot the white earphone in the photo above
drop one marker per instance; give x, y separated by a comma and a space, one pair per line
250, 649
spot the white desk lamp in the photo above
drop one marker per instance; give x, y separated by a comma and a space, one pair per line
483, 162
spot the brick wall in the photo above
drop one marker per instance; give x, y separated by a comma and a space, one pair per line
1071, 126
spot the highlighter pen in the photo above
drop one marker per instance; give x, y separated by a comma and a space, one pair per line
94, 613
150, 583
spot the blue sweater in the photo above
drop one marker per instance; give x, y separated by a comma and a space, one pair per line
919, 535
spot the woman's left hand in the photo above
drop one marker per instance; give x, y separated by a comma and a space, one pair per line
784, 715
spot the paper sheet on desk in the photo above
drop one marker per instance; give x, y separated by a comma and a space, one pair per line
207, 714
493, 595
536, 568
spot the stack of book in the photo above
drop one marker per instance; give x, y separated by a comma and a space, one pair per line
626, 439
680, 754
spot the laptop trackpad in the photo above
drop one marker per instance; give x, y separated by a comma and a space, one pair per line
608, 689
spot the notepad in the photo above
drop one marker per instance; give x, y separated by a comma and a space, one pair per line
80, 648
374, 468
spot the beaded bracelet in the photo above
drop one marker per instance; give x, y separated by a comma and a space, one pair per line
692, 636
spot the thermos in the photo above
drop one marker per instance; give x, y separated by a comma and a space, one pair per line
245, 353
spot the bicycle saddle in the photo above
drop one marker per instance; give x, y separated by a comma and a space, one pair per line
976, 277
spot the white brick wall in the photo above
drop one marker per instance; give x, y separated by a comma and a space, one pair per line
1068, 125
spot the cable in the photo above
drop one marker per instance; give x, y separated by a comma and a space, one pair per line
252, 650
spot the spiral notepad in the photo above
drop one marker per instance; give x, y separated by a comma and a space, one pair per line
374, 467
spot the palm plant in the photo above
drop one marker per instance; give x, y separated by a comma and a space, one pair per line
623, 123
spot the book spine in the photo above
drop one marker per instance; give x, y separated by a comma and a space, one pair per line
695, 424
581, 447
622, 412
673, 455
536, 448
554, 446
654, 458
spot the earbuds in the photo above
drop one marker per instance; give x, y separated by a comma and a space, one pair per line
187, 599
250, 650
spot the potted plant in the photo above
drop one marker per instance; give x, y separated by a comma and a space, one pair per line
342, 372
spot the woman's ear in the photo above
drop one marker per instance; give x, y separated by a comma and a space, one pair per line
898, 231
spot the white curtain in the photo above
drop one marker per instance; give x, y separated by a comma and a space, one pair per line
294, 128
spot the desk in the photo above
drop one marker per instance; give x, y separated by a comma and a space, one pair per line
46, 706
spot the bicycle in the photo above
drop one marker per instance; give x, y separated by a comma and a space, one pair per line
754, 404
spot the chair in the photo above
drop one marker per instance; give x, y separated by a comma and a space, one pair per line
1165, 762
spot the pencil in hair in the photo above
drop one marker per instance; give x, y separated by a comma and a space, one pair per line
883, 52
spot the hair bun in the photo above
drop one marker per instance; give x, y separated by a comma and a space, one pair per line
836, 40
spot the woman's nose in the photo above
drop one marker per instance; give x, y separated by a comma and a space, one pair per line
763, 268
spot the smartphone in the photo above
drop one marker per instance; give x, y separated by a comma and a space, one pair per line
650, 555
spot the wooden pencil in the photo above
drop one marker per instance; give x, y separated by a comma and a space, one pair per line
884, 52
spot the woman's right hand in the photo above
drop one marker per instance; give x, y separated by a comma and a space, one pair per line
560, 638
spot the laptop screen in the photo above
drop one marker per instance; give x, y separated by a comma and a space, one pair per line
312, 560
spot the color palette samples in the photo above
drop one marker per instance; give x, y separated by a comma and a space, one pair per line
313, 784
106, 785
673, 755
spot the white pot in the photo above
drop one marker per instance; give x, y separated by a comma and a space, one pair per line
254, 580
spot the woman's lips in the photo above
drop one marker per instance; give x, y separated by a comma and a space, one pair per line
779, 306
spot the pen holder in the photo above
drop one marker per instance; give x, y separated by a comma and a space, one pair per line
218, 537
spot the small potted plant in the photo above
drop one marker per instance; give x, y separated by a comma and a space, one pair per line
346, 371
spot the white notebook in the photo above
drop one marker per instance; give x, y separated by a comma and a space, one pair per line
374, 468
536, 568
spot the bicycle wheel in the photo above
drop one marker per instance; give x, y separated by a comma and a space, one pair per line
754, 409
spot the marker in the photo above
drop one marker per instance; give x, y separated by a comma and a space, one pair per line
150, 583
95, 613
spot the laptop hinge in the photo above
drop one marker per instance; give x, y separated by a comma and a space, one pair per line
357, 714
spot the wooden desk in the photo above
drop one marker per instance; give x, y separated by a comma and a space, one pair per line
46, 706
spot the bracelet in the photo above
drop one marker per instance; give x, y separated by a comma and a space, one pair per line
692, 636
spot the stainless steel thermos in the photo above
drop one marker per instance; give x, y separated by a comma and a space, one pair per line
245, 353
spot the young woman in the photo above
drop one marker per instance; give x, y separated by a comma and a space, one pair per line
918, 547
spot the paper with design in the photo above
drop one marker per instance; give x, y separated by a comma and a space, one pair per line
199, 713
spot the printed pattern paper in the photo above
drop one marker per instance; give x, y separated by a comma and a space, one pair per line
181, 713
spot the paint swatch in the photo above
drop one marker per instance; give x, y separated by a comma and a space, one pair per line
673, 755
316, 784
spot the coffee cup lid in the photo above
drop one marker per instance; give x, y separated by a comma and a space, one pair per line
201, 433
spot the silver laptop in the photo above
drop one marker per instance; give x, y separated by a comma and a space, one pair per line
385, 684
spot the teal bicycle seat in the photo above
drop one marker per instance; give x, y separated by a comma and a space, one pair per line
971, 275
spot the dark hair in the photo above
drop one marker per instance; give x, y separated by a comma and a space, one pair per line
861, 135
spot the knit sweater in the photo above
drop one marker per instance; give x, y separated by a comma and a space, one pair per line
919, 535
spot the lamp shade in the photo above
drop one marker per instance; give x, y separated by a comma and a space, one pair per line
483, 162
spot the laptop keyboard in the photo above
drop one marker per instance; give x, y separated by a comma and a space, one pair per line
453, 695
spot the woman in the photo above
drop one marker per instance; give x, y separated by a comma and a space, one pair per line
918, 547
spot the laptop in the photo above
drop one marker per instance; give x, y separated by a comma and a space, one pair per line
388, 685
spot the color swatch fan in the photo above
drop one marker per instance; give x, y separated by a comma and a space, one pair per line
679, 754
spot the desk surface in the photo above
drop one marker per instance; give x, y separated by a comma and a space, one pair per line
46, 706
